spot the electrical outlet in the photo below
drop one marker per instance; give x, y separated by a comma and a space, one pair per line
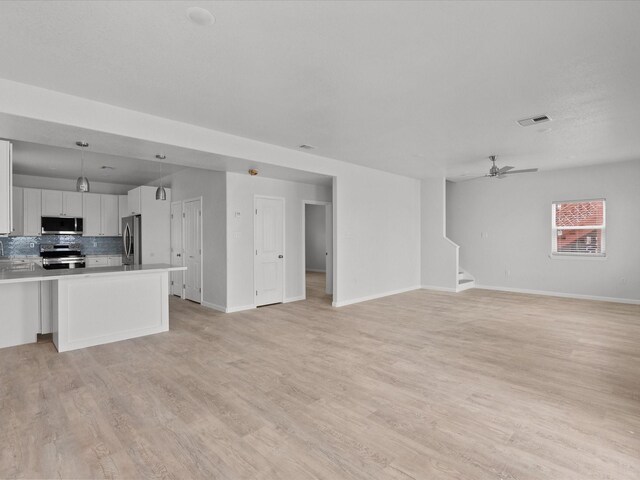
32, 245
507, 273
95, 244
623, 281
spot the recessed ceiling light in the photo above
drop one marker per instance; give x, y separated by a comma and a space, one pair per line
200, 16
306, 147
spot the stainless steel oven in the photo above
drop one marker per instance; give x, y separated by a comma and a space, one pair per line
61, 256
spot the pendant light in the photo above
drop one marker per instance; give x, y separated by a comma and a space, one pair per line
82, 184
161, 193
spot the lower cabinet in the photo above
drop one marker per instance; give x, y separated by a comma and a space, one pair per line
103, 261
97, 261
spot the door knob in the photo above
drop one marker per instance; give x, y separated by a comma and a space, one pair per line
178, 255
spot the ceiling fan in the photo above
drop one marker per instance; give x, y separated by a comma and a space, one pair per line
495, 172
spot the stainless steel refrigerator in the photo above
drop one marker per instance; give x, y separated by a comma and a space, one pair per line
131, 240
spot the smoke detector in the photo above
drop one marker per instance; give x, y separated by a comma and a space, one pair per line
525, 122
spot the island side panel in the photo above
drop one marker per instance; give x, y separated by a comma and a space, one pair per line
93, 310
20, 315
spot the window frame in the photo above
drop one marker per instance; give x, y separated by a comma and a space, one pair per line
602, 228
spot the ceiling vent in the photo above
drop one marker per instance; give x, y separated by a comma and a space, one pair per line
306, 147
534, 120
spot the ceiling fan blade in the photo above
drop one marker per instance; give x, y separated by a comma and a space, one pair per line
505, 169
526, 170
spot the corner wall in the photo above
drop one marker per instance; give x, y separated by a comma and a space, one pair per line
503, 228
439, 255
211, 186
241, 189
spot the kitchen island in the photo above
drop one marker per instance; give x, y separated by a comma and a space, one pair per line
89, 306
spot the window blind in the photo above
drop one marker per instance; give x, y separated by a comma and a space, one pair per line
578, 227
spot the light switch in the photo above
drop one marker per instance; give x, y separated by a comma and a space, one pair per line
237, 214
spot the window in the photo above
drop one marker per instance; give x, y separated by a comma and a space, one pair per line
578, 228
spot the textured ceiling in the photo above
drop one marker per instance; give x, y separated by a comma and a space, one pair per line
411, 87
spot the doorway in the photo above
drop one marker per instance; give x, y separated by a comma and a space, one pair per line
269, 249
317, 237
186, 249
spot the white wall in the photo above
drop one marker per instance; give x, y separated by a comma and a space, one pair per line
315, 238
240, 199
211, 186
515, 215
439, 255
376, 214
69, 185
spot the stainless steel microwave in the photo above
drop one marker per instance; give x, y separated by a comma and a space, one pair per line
61, 226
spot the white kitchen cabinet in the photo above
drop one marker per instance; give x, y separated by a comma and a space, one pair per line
18, 212
6, 190
123, 210
96, 261
100, 215
91, 207
109, 215
72, 204
135, 201
51, 203
56, 203
115, 260
32, 198
155, 223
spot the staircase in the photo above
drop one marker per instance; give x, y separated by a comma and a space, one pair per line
465, 281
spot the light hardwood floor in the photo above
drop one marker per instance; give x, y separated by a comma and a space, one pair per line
422, 385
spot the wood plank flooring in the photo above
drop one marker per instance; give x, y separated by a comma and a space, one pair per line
422, 385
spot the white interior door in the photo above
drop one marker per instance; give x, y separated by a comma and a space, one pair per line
192, 237
328, 231
269, 250
176, 248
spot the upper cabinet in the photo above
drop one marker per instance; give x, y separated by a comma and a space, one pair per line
51, 203
72, 204
123, 210
109, 215
135, 201
32, 202
6, 190
18, 212
61, 204
100, 215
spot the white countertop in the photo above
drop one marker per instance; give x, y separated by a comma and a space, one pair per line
37, 273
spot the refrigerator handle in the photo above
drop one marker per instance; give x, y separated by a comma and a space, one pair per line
126, 237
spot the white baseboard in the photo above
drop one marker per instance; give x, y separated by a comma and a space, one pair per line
240, 309
317, 270
438, 289
373, 297
632, 301
213, 306
294, 299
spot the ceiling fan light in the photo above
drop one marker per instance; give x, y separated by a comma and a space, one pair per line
82, 184
161, 193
